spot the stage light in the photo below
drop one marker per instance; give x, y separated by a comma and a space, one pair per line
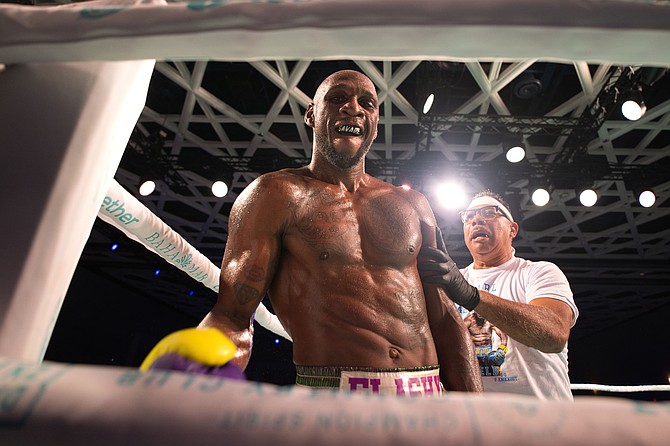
639, 180
588, 197
147, 187
539, 191
646, 198
114, 247
527, 86
429, 103
450, 195
540, 196
633, 110
219, 188
515, 150
632, 106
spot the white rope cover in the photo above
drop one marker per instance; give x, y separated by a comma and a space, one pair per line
620, 32
56, 404
125, 212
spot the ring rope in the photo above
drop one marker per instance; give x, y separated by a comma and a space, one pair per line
123, 211
607, 388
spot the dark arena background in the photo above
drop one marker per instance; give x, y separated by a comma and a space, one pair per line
240, 121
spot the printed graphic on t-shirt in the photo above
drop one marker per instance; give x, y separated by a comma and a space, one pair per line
491, 288
481, 332
503, 378
486, 366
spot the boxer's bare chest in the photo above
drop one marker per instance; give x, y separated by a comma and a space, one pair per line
369, 225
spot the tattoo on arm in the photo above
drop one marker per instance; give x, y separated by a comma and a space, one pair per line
245, 293
255, 273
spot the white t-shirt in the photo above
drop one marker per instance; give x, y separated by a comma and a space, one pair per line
525, 370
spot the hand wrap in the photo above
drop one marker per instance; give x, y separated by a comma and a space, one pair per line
435, 266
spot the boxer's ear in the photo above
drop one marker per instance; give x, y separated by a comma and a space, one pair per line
309, 115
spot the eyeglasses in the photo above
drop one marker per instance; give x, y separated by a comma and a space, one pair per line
487, 213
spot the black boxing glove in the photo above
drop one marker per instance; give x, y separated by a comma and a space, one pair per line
436, 267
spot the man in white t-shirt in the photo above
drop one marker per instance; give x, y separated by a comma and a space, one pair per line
529, 303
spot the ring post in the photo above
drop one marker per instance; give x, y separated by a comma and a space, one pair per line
64, 128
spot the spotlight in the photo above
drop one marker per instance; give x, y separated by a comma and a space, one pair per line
515, 150
450, 195
638, 181
527, 86
588, 197
429, 103
147, 187
539, 191
646, 198
540, 196
633, 107
219, 188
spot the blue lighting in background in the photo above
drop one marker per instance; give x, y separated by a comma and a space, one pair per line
115, 246
191, 293
276, 340
157, 272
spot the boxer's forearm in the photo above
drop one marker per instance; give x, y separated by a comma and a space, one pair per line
241, 336
457, 356
458, 364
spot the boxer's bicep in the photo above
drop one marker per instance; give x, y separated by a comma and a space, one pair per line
249, 263
252, 251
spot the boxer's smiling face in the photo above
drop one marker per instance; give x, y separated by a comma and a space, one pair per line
344, 115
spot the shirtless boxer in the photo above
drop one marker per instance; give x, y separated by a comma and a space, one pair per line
337, 251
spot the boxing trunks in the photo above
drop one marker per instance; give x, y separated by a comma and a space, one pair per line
414, 382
